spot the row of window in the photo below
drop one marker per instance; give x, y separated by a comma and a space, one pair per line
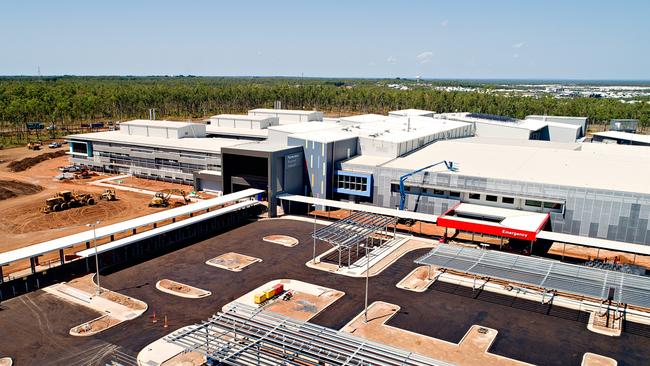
352, 183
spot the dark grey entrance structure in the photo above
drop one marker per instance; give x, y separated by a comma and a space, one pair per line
273, 168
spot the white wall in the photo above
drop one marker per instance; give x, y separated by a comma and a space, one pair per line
563, 132
500, 131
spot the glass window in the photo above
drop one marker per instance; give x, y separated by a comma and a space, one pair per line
475, 196
533, 203
508, 200
454, 194
438, 192
491, 198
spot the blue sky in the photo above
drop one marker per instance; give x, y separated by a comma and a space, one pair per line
433, 39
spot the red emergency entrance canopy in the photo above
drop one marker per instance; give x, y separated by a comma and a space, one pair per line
496, 221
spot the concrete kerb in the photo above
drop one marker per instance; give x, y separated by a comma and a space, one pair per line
427, 283
6, 361
199, 293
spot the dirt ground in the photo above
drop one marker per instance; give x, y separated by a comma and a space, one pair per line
151, 185
13, 188
96, 325
285, 240
576, 251
418, 280
233, 261
24, 224
182, 289
86, 284
185, 359
304, 306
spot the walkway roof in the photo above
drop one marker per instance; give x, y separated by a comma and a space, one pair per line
617, 246
543, 273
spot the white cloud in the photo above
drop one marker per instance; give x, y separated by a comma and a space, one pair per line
391, 60
516, 55
444, 23
424, 57
519, 45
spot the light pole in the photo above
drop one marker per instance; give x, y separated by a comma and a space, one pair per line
365, 311
314, 235
99, 289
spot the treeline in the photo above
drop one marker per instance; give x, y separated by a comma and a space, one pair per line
64, 100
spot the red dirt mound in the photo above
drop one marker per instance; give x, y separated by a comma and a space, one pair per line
14, 188
24, 164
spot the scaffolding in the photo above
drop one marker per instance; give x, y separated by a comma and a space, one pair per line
243, 334
623, 288
353, 231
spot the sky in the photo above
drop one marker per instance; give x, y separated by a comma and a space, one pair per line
569, 39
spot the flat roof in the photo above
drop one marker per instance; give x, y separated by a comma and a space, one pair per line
204, 144
364, 118
325, 136
538, 116
233, 131
411, 112
624, 136
157, 123
164, 229
599, 166
265, 146
302, 127
494, 221
391, 212
281, 111
103, 231
244, 117
586, 241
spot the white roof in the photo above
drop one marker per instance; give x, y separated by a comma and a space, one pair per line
564, 125
364, 118
391, 212
411, 112
514, 219
281, 111
625, 136
164, 229
302, 127
103, 231
156, 123
204, 144
538, 116
595, 242
600, 166
241, 117
531, 124
233, 131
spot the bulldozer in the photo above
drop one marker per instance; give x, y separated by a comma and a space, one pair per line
34, 145
161, 199
108, 195
64, 200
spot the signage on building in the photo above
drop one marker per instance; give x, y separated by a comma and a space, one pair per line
487, 229
293, 160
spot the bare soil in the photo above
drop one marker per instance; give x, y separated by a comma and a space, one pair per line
285, 240
182, 289
233, 261
26, 163
151, 185
95, 325
13, 188
418, 280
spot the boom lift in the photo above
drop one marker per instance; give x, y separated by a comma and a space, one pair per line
402, 194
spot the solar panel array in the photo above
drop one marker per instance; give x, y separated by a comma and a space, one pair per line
246, 335
544, 273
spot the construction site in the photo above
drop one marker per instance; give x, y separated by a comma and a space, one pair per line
297, 259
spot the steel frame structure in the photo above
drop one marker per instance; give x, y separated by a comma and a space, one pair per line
243, 334
350, 232
543, 273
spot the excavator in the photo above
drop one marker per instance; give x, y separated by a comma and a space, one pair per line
161, 198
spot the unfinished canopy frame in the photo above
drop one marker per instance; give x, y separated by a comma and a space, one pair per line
544, 273
243, 334
353, 231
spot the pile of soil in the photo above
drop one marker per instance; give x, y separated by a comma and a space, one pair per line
24, 164
14, 188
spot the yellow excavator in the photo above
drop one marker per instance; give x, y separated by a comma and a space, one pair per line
161, 199
64, 200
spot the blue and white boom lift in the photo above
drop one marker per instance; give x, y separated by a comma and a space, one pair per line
402, 194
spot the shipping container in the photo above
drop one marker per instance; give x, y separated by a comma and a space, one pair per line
279, 288
260, 298
269, 293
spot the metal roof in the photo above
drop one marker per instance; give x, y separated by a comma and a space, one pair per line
544, 273
627, 136
103, 231
353, 229
165, 229
618, 246
359, 207
246, 335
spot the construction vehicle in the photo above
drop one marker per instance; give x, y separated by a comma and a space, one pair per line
161, 199
34, 145
64, 200
108, 195
402, 194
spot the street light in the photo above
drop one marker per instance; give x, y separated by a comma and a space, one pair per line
365, 309
99, 289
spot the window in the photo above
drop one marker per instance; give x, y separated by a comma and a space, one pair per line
438, 192
475, 196
533, 203
491, 198
454, 194
351, 184
508, 200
